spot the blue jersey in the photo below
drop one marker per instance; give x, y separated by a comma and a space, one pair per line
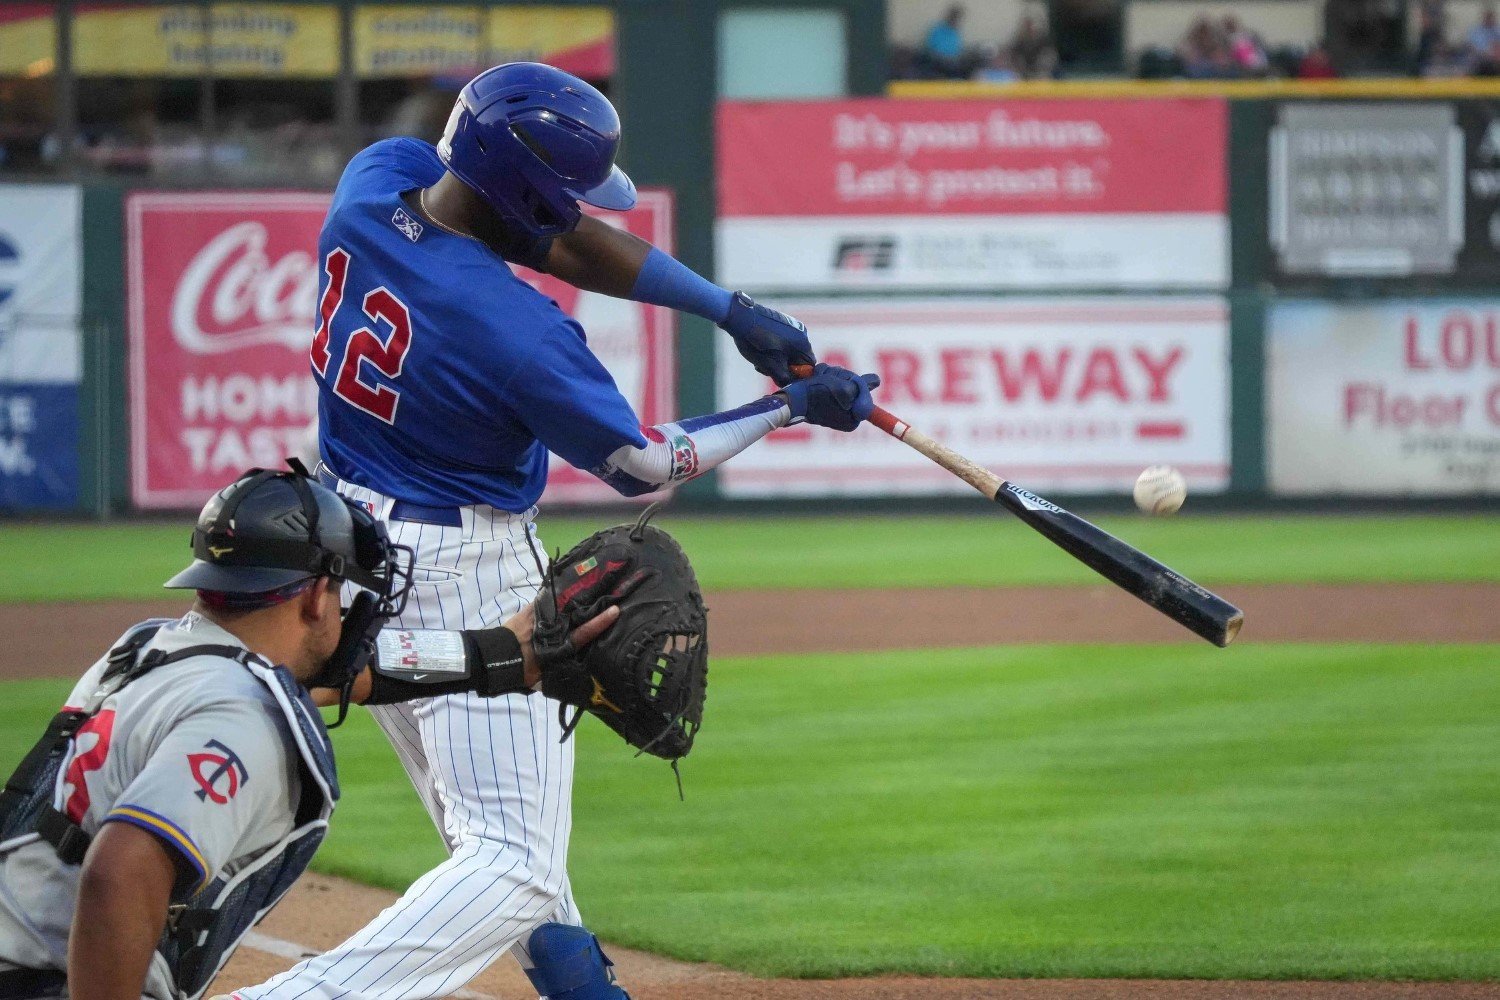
443, 378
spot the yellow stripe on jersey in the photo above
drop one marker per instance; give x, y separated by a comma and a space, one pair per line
168, 830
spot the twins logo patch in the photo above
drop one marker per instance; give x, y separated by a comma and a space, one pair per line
411, 227
219, 775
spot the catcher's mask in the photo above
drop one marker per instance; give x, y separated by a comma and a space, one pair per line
271, 530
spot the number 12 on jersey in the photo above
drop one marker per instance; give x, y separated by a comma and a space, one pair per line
386, 356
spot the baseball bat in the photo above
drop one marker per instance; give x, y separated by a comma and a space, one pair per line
1199, 610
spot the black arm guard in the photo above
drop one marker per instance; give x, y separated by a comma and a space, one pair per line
422, 663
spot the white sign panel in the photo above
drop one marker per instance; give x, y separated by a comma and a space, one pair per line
1072, 395
1387, 399
40, 267
1034, 251
40, 258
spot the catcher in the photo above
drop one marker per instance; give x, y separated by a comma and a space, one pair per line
188, 781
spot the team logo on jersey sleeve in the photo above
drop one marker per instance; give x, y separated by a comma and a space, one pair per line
219, 773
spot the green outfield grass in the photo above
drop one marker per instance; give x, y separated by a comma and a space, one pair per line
1266, 811
90, 562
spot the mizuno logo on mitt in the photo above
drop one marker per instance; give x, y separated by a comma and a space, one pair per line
597, 699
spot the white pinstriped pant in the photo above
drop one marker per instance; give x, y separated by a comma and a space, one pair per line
493, 777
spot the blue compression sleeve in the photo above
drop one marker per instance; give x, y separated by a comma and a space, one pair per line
665, 281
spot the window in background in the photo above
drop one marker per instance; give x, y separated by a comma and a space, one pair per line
782, 52
234, 91
413, 59
28, 87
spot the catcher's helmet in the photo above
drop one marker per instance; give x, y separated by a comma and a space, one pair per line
533, 142
269, 529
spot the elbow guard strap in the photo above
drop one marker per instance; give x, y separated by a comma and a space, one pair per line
424, 663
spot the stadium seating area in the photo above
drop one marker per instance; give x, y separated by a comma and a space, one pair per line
1201, 39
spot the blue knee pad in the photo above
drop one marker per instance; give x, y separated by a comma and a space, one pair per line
570, 965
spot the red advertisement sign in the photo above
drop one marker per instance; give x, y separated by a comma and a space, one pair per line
895, 157
222, 288
966, 194
1058, 393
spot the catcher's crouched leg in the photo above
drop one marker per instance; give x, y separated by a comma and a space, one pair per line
570, 965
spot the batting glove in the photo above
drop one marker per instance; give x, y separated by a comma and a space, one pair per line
771, 341
832, 397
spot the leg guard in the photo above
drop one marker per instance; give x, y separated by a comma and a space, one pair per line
570, 965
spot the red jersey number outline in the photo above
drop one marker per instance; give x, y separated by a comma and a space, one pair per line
102, 728
337, 269
364, 345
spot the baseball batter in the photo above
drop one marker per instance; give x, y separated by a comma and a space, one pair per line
189, 779
444, 382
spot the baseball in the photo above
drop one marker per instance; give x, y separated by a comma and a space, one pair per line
1160, 490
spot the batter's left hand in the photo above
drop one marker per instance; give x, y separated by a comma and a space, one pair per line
771, 341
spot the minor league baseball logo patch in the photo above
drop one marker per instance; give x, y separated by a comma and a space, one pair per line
219, 773
411, 227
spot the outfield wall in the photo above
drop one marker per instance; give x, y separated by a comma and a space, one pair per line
1287, 294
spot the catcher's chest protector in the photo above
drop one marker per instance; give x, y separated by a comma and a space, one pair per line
201, 932
202, 935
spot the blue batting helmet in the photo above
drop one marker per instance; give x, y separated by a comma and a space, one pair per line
533, 142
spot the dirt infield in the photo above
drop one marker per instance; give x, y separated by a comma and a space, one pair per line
302, 922
58, 640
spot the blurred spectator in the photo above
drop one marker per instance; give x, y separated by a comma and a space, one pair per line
1484, 44
1246, 50
1204, 53
1432, 33
944, 47
1032, 54
1316, 64
998, 68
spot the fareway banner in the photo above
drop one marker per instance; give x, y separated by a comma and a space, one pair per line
1071, 395
973, 194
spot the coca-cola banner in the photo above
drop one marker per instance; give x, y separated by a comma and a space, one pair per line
222, 290
971, 194
1071, 395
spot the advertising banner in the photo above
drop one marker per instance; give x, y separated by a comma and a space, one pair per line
1384, 399
422, 39
220, 289
1393, 190
221, 294
636, 342
1071, 395
237, 39
1366, 189
28, 39
40, 265
966, 194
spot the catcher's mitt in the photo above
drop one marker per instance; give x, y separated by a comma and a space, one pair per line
646, 677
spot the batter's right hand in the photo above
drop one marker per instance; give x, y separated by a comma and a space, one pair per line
831, 397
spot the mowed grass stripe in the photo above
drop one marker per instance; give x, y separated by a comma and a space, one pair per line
1264, 811
94, 562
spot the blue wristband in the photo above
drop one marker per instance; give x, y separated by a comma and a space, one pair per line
665, 281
